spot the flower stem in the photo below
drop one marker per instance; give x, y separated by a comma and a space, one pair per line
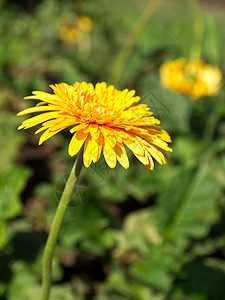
195, 182
188, 196
131, 40
198, 30
56, 225
212, 122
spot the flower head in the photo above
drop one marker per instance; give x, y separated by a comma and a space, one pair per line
84, 23
73, 32
70, 34
103, 119
195, 78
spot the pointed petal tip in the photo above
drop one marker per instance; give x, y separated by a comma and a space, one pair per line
112, 166
20, 127
71, 152
86, 164
28, 97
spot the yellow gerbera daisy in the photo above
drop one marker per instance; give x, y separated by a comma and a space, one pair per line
70, 34
85, 23
105, 120
73, 32
195, 78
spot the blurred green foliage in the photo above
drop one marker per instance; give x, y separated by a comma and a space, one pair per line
128, 234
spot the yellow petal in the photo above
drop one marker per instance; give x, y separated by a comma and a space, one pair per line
96, 149
92, 128
161, 145
100, 144
41, 129
87, 156
150, 165
45, 97
135, 147
76, 142
108, 135
79, 127
36, 109
109, 154
158, 156
143, 159
46, 135
121, 155
62, 90
63, 124
38, 119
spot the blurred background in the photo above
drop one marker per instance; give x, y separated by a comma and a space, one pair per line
128, 234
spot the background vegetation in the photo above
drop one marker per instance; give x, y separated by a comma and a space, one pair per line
129, 234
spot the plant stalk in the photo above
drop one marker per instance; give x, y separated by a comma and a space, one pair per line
198, 30
131, 40
213, 121
56, 226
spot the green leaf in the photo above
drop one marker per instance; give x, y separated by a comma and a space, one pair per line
137, 233
189, 203
10, 139
2, 233
12, 183
173, 109
201, 279
212, 42
24, 284
122, 286
153, 269
83, 225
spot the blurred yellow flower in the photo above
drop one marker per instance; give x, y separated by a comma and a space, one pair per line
84, 23
73, 34
195, 78
105, 120
70, 35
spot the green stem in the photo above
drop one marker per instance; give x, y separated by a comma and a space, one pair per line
131, 41
198, 30
212, 122
56, 225
194, 184
178, 216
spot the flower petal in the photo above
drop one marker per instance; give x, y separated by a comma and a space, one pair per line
37, 109
87, 156
37, 120
77, 142
109, 154
121, 155
47, 134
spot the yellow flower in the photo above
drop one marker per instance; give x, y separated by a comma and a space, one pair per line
195, 78
84, 23
105, 120
70, 34
74, 32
